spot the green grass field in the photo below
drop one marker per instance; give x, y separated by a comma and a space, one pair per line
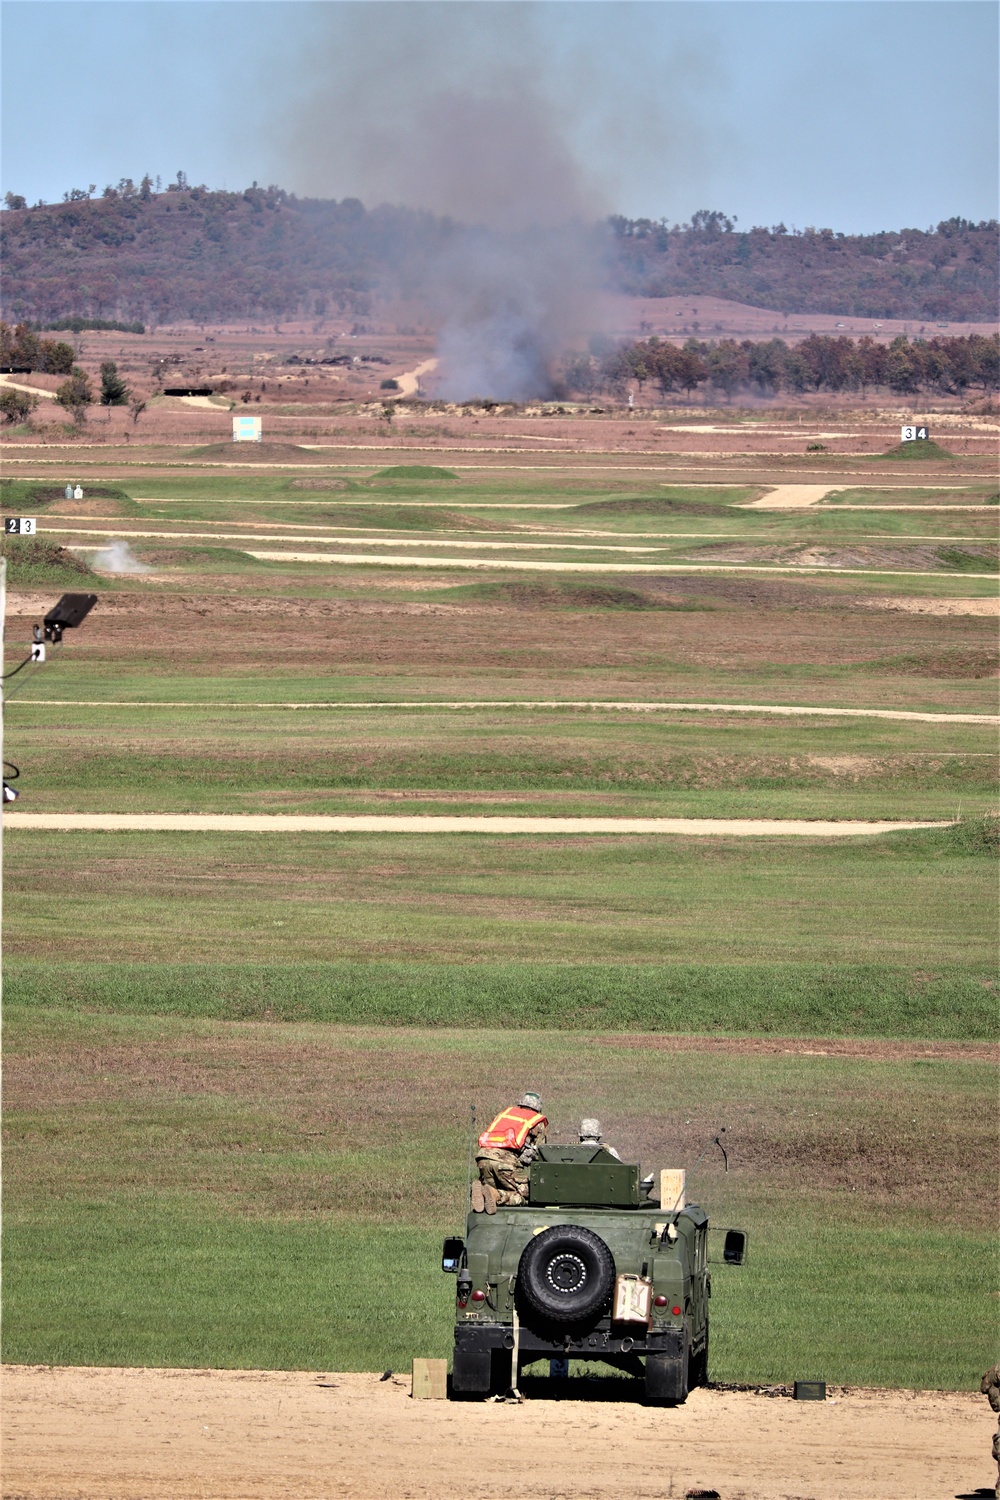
199, 1193
880, 936
238, 1066
516, 761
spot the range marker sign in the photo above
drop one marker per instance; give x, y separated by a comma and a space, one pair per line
19, 525
915, 435
247, 429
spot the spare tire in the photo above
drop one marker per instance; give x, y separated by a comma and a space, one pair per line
566, 1274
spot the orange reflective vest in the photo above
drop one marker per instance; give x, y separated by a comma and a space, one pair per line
511, 1128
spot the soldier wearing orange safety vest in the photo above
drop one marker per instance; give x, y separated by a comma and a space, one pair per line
506, 1148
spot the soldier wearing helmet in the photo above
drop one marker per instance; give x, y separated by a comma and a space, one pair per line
590, 1135
506, 1149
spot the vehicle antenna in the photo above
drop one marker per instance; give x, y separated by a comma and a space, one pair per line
472, 1138
715, 1141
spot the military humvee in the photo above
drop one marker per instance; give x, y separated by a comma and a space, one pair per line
591, 1268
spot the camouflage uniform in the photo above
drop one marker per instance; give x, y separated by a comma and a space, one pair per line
507, 1171
990, 1387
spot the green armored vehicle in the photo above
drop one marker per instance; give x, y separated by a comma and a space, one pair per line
592, 1267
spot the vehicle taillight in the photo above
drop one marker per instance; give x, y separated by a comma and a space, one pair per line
675, 1310
659, 1301
479, 1296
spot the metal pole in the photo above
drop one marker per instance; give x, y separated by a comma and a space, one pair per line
472, 1137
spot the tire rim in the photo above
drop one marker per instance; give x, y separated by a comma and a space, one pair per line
566, 1273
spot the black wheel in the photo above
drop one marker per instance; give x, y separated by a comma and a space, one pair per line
566, 1275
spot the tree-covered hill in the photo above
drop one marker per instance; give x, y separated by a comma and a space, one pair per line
189, 253
950, 272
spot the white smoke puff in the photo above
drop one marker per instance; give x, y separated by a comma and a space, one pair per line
119, 558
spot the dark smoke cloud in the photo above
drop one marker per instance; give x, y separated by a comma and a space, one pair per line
471, 111
508, 305
447, 107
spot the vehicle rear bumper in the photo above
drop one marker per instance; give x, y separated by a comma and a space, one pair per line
597, 1343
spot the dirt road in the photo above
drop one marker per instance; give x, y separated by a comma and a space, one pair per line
534, 566
32, 390
608, 706
409, 382
792, 497
99, 1434
373, 823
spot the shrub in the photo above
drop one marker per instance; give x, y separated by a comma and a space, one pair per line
75, 393
16, 406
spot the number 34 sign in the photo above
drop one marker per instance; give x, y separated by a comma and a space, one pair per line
915, 435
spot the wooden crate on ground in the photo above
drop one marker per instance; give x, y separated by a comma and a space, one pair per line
430, 1379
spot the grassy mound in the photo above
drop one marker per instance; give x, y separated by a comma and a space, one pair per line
30, 560
257, 453
971, 662
18, 494
414, 471
214, 559
917, 451
321, 484
561, 596
964, 561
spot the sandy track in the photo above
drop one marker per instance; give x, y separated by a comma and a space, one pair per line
805, 496
409, 382
522, 504
915, 606
32, 390
792, 497
652, 566
429, 823
474, 544
363, 535
494, 703
113, 1434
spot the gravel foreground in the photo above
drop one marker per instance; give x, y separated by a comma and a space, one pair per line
135, 1434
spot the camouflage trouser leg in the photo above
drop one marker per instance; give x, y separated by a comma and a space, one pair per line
509, 1180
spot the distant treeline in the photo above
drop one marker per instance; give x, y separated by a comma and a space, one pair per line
947, 366
140, 256
78, 324
22, 349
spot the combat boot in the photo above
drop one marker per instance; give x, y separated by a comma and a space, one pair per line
490, 1197
478, 1197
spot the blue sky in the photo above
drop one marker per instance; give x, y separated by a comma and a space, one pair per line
853, 114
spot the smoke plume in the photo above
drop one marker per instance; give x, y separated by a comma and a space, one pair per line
447, 108
118, 557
